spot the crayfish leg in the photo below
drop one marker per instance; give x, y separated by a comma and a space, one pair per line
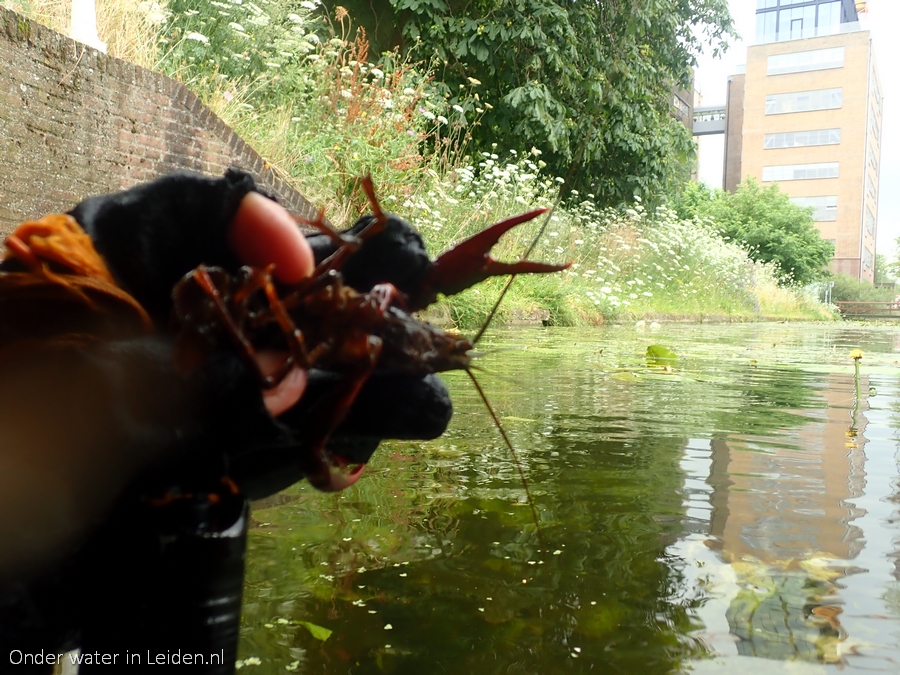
321, 471
380, 217
296, 344
245, 349
324, 227
383, 296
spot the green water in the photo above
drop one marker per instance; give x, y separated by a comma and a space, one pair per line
717, 513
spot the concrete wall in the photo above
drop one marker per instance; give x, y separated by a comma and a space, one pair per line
734, 131
75, 122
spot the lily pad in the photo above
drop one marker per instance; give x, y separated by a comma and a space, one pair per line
660, 353
318, 632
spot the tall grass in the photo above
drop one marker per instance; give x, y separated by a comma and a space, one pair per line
626, 262
304, 89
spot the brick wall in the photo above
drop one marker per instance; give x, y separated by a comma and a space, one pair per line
75, 122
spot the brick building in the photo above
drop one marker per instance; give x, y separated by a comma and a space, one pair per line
806, 114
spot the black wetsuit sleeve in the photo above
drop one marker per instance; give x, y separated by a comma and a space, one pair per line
153, 234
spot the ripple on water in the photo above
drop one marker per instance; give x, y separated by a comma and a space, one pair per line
717, 514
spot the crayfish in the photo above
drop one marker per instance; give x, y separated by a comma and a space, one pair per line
326, 323
353, 316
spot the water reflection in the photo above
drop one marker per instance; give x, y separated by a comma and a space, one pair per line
697, 517
785, 514
779, 516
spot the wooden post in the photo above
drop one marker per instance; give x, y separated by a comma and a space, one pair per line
84, 24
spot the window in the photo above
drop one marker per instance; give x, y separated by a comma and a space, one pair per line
870, 221
873, 160
797, 22
802, 139
824, 208
765, 27
681, 108
794, 19
876, 90
801, 62
804, 101
870, 188
874, 130
829, 17
800, 171
868, 258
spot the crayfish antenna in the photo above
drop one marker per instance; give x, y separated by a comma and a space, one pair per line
512, 450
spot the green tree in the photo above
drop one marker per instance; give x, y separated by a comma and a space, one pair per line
767, 223
846, 288
559, 75
891, 269
885, 272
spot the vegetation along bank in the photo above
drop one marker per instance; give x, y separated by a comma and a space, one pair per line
464, 120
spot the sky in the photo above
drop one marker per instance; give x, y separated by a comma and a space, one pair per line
884, 22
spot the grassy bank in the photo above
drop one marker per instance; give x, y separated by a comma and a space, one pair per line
628, 263
305, 91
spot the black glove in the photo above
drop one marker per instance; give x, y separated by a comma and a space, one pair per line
121, 402
90, 427
153, 234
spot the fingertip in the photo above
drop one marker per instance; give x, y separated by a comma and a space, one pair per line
263, 232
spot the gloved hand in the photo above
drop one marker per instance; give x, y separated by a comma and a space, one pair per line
79, 423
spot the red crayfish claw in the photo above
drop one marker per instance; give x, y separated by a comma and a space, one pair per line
470, 262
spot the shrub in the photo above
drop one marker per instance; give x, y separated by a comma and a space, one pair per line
846, 288
767, 224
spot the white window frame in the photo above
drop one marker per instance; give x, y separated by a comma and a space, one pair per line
784, 172
802, 139
804, 101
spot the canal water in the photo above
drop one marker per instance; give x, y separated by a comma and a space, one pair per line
727, 506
